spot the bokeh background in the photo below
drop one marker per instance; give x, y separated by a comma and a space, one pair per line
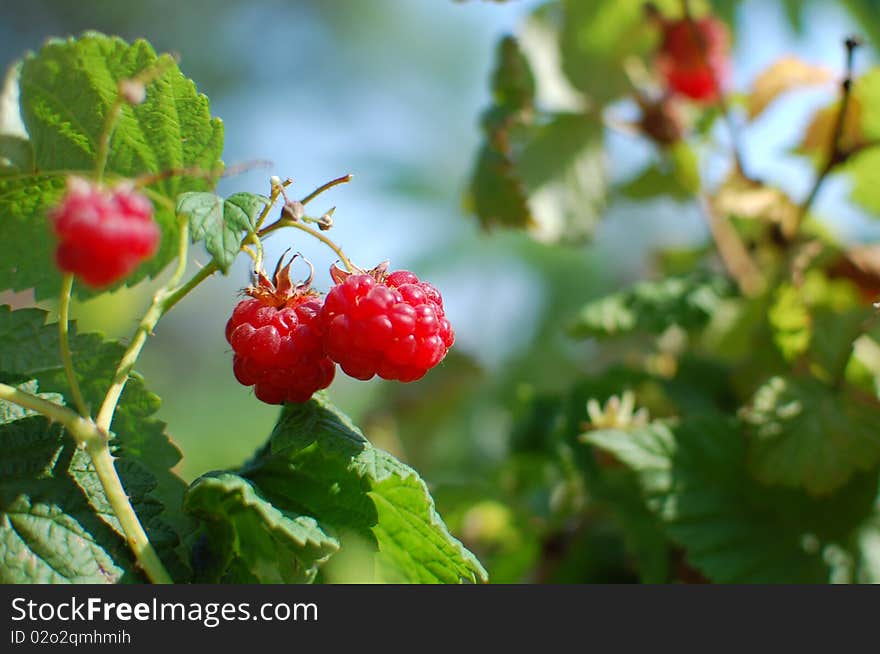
390, 91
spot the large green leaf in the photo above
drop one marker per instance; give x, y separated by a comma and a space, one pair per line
653, 306
735, 530
318, 464
67, 90
29, 350
272, 545
808, 434
53, 528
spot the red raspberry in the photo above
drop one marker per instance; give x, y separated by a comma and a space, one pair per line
689, 70
277, 340
103, 233
386, 324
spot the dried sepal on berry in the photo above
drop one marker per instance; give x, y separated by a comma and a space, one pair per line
277, 339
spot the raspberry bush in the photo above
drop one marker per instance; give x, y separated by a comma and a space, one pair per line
714, 420
82, 421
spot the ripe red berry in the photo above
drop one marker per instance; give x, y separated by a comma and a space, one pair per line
386, 324
694, 59
276, 336
103, 233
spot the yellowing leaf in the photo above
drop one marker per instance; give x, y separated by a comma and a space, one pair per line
784, 75
746, 198
817, 136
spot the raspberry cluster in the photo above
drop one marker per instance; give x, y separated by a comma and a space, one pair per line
386, 324
103, 234
276, 336
694, 57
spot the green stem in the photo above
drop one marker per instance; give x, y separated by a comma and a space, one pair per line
94, 441
104, 140
164, 299
51, 410
135, 536
64, 344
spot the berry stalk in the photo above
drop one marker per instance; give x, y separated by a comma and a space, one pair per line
64, 345
288, 222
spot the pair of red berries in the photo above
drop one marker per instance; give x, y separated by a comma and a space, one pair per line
287, 342
103, 234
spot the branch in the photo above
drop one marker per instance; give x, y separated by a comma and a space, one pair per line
836, 154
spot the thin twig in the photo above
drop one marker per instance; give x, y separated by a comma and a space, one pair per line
287, 222
333, 182
836, 155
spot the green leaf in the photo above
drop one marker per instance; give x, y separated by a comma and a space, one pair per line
596, 37
221, 223
862, 171
318, 464
513, 85
790, 320
694, 477
818, 319
564, 169
274, 546
496, 195
677, 175
688, 302
67, 90
26, 247
29, 350
546, 175
677, 178
48, 531
806, 434
867, 91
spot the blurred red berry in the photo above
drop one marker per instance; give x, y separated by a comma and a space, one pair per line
276, 336
386, 324
103, 234
693, 58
